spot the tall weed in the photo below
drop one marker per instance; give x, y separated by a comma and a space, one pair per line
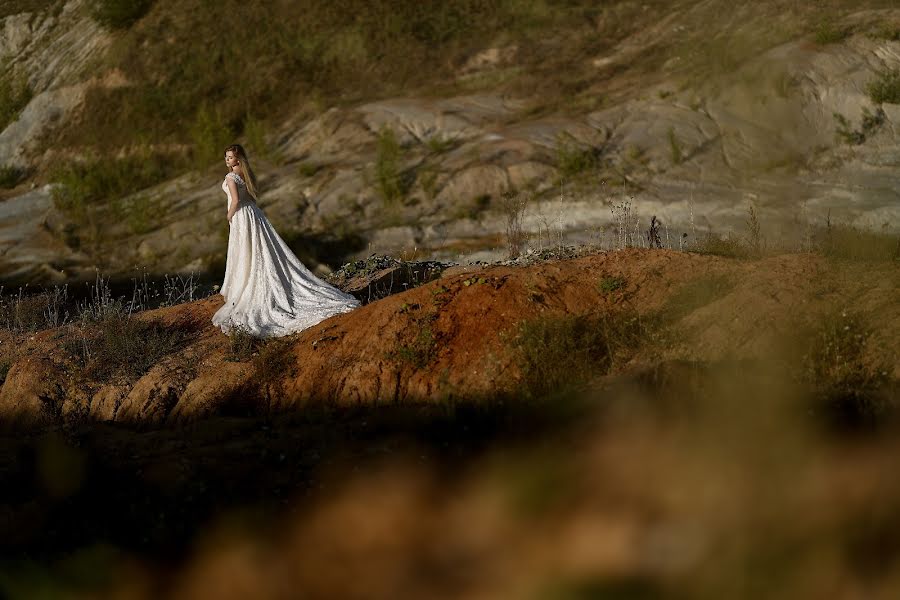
513, 206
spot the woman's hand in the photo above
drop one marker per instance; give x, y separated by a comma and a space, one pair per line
230, 214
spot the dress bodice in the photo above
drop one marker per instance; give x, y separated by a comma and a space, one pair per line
244, 196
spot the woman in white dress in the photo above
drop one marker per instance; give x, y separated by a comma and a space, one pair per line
268, 292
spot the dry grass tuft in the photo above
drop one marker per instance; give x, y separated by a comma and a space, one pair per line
273, 364
566, 353
860, 244
120, 345
242, 345
850, 391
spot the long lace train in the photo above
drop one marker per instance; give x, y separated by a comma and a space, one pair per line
268, 291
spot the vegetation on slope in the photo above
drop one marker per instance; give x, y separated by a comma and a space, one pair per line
200, 72
241, 62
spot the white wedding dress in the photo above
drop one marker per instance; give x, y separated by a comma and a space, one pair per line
268, 292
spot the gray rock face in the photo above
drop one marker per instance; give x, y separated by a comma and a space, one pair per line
22, 138
762, 133
16, 31
54, 51
28, 247
53, 55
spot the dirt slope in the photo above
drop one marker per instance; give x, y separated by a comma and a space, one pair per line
457, 337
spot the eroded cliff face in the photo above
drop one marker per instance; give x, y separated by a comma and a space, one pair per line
57, 51
52, 51
684, 143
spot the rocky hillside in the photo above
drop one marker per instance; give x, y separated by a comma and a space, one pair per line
404, 133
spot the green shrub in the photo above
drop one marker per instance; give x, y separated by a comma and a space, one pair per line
869, 124
10, 176
887, 31
15, 94
83, 186
675, 148
427, 177
308, 169
422, 348
15, 7
886, 88
345, 50
573, 159
389, 179
119, 14
609, 284
255, 134
561, 353
312, 56
850, 391
438, 144
829, 32
143, 214
210, 134
420, 352
272, 364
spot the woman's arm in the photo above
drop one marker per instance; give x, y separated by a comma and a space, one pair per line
235, 199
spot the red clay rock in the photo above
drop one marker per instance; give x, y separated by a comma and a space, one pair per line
455, 336
106, 402
151, 398
206, 394
32, 395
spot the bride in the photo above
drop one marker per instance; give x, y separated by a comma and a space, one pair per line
268, 292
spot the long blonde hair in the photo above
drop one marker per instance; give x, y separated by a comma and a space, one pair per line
246, 169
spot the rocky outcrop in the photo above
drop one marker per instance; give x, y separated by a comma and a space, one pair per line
457, 336
762, 132
53, 53
32, 394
